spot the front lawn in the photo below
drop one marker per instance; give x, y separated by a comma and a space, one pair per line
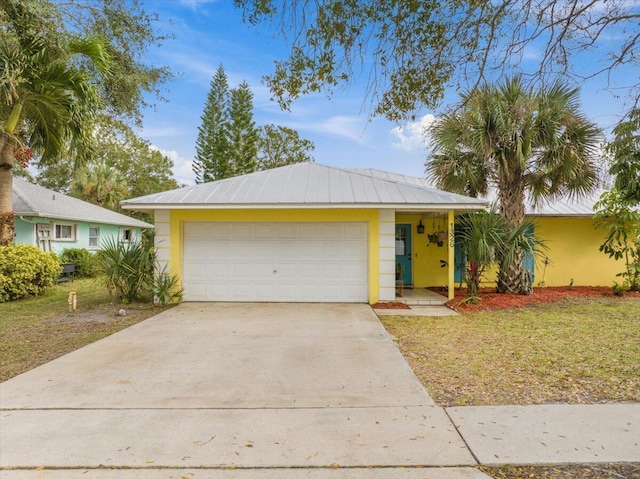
36, 330
578, 351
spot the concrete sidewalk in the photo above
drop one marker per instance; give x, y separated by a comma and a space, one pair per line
550, 434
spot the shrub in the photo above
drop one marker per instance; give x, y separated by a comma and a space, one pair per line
127, 269
166, 288
26, 271
86, 263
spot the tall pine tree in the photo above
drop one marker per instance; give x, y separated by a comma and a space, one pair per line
230, 144
243, 134
212, 146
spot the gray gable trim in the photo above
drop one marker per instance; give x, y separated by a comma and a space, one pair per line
307, 185
37, 201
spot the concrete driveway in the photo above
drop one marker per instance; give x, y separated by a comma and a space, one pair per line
231, 390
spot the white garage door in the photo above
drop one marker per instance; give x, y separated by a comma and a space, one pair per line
312, 262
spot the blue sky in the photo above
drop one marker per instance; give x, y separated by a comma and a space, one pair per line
209, 33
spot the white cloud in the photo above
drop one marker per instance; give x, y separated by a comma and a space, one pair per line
413, 136
350, 127
160, 132
182, 167
194, 4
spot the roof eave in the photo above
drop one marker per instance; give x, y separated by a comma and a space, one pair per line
133, 224
309, 206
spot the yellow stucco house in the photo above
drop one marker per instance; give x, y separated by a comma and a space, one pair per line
314, 233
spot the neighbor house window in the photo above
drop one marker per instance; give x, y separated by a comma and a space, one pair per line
65, 232
126, 235
94, 236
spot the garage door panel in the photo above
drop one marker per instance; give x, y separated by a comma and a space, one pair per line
332, 250
325, 262
313, 250
287, 249
196, 230
333, 230
309, 231
218, 271
263, 291
355, 230
261, 250
265, 231
350, 249
287, 230
286, 291
242, 231
243, 271
198, 249
286, 272
196, 271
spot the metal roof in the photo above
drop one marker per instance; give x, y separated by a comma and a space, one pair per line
308, 185
566, 206
35, 200
556, 207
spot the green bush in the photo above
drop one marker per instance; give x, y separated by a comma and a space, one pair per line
86, 263
131, 270
26, 271
166, 287
127, 268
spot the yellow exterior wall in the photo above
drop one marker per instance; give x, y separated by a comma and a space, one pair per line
573, 253
370, 216
426, 257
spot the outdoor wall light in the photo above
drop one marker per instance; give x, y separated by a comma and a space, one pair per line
420, 228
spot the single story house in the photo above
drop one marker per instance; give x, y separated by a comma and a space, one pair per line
304, 232
54, 221
309, 232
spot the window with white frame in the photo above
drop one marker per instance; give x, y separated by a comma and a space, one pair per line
94, 236
126, 235
63, 232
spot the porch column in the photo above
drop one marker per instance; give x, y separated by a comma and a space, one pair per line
387, 255
162, 239
451, 260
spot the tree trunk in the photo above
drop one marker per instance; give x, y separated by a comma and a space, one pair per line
6, 189
512, 277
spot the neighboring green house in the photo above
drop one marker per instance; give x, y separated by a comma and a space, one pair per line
54, 221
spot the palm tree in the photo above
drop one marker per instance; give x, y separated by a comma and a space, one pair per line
101, 184
48, 104
518, 142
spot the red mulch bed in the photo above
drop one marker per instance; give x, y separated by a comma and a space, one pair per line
489, 299
390, 305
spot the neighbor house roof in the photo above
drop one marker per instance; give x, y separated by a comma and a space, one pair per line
567, 206
307, 185
34, 200
582, 206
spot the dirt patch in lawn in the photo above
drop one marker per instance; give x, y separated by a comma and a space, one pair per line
26, 345
108, 313
490, 300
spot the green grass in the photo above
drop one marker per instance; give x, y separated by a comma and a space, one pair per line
583, 350
36, 330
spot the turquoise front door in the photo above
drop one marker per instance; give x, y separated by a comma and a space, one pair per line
403, 254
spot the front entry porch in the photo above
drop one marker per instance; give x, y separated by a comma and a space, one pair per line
424, 256
420, 297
